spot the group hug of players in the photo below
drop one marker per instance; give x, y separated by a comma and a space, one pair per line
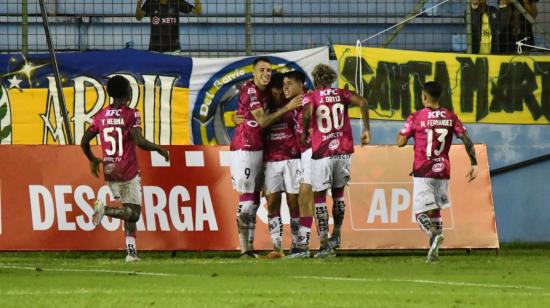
298, 141
288, 139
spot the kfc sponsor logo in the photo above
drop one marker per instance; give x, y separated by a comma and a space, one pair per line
438, 167
436, 114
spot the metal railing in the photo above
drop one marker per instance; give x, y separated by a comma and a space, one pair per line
239, 27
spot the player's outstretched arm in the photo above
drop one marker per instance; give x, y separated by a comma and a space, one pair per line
147, 145
264, 120
470, 149
85, 146
360, 101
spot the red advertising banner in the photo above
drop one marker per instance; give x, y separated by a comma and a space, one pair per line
47, 195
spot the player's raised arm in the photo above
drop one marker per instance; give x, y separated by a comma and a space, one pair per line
147, 145
265, 120
470, 149
85, 146
360, 101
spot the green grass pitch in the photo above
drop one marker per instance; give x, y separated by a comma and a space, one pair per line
516, 277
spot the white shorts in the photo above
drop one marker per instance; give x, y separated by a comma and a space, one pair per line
330, 172
283, 175
306, 166
246, 170
430, 194
128, 192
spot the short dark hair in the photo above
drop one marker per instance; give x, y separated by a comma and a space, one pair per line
261, 59
433, 89
276, 81
296, 75
117, 87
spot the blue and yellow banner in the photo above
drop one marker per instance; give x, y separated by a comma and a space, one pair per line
31, 104
479, 88
182, 100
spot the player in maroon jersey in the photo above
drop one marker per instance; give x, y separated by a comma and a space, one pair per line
119, 129
432, 130
294, 86
247, 149
326, 108
283, 170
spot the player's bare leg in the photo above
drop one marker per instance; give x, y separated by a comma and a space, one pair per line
275, 225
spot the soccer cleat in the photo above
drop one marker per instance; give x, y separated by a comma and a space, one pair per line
248, 255
334, 242
299, 254
325, 252
433, 253
99, 212
274, 255
132, 257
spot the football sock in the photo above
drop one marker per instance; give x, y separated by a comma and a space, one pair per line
246, 202
294, 227
437, 224
131, 248
338, 210
276, 231
425, 223
321, 214
304, 232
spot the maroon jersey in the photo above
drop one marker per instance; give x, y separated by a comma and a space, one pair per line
280, 141
432, 131
114, 127
249, 134
331, 129
298, 116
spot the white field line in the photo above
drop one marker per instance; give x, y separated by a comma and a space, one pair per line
31, 268
448, 283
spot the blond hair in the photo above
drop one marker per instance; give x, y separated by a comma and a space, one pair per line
323, 75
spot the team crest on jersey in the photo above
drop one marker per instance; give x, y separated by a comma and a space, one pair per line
438, 167
334, 144
252, 123
108, 168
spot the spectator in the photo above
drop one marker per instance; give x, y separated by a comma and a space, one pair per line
506, 38
524, 27
165, 21
484, 27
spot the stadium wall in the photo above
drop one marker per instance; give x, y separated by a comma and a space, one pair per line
521, 197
